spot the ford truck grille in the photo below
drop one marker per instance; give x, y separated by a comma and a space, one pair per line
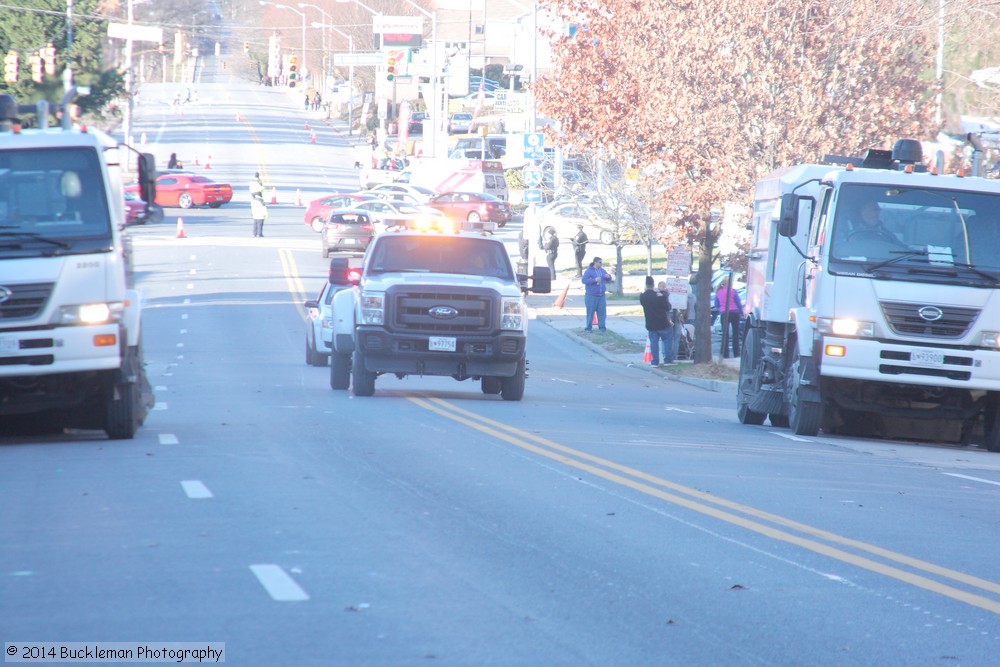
412, 311
24, 301
905, 320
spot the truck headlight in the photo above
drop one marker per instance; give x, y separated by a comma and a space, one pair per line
91, 313
990, 339
845, 326
512, 313
372, 308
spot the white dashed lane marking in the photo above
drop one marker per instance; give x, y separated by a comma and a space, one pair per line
278, 583
168, 439
195, 489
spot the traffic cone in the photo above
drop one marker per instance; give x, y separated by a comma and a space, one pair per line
312, 137
196, 159
595, 318
298, 197
274, 195
208, 162
180, 229
142, 139
561, 299
237, 116
307, 125
647, 356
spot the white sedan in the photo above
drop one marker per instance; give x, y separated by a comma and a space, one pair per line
387, 213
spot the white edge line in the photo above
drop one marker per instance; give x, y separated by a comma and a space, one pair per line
974, 479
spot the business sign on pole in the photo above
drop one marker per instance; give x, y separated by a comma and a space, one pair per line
137, 33
372, 58
398, 31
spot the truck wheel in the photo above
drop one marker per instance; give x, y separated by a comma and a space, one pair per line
491, 385
362, 379
121, 421
512, 388
747, 388
780, 421
991, 423
185, 201
803, 416
340, 370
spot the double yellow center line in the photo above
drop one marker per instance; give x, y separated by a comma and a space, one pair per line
764, 523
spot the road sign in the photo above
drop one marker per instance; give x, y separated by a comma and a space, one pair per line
532, 196
532, 176
138, 33
534, 146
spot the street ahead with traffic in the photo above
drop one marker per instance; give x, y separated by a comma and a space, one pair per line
613, 516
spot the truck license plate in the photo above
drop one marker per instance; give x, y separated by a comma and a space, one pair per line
441, 344
927, 358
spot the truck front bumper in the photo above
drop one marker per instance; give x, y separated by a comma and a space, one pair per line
931, 366
412, 354
71, 349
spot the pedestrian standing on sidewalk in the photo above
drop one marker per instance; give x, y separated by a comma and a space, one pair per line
730, 314
595, 296
551, 247
659, 328
580, 249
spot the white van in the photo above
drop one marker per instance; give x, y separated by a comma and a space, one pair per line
457, 175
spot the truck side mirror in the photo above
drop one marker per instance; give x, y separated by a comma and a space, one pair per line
541, 280
147, 177
342, 273
788, 223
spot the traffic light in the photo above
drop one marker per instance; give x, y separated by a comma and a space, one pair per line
10, 67
49, 53
293, 71
390, 68
246, 47
36, 67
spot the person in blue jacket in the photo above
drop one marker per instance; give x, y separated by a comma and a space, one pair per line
595, 281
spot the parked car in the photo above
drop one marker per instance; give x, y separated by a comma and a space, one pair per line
386, 214
185, 190
459, 122
396, 191
563, 217
347, 229
416, 122
136, 213
476, 210
318, 210
319, 328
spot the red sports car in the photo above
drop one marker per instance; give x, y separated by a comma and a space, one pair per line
318, 210
187, 190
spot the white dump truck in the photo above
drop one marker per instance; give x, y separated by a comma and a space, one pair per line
873, 304
70, 332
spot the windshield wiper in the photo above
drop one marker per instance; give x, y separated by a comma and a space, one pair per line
902, 254
34, 236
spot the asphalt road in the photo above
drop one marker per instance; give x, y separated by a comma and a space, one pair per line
612, 517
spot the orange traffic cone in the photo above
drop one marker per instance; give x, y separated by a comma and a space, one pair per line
561, 300
312, 137
208, 162
180, 229
647, 356
196, 159
307, 125
595, 318
298, 197
274, 195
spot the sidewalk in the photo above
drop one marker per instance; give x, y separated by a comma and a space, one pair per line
624, 318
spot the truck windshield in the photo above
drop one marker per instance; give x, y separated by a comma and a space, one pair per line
939, 227
440, 254
52, 198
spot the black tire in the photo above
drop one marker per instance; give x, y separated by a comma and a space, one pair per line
991, 423
185, 201
747, 387
491, 385
122, 421
155, 214
780, 421
340, 370
512, 388
803, 416
215, 204
310, 355
501, 225
363, 380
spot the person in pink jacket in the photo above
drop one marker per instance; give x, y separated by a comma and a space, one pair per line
730, 314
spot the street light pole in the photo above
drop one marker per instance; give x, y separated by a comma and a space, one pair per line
350, 79
324, 67
435, 101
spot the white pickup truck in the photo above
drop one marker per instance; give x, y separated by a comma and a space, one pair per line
433, 304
